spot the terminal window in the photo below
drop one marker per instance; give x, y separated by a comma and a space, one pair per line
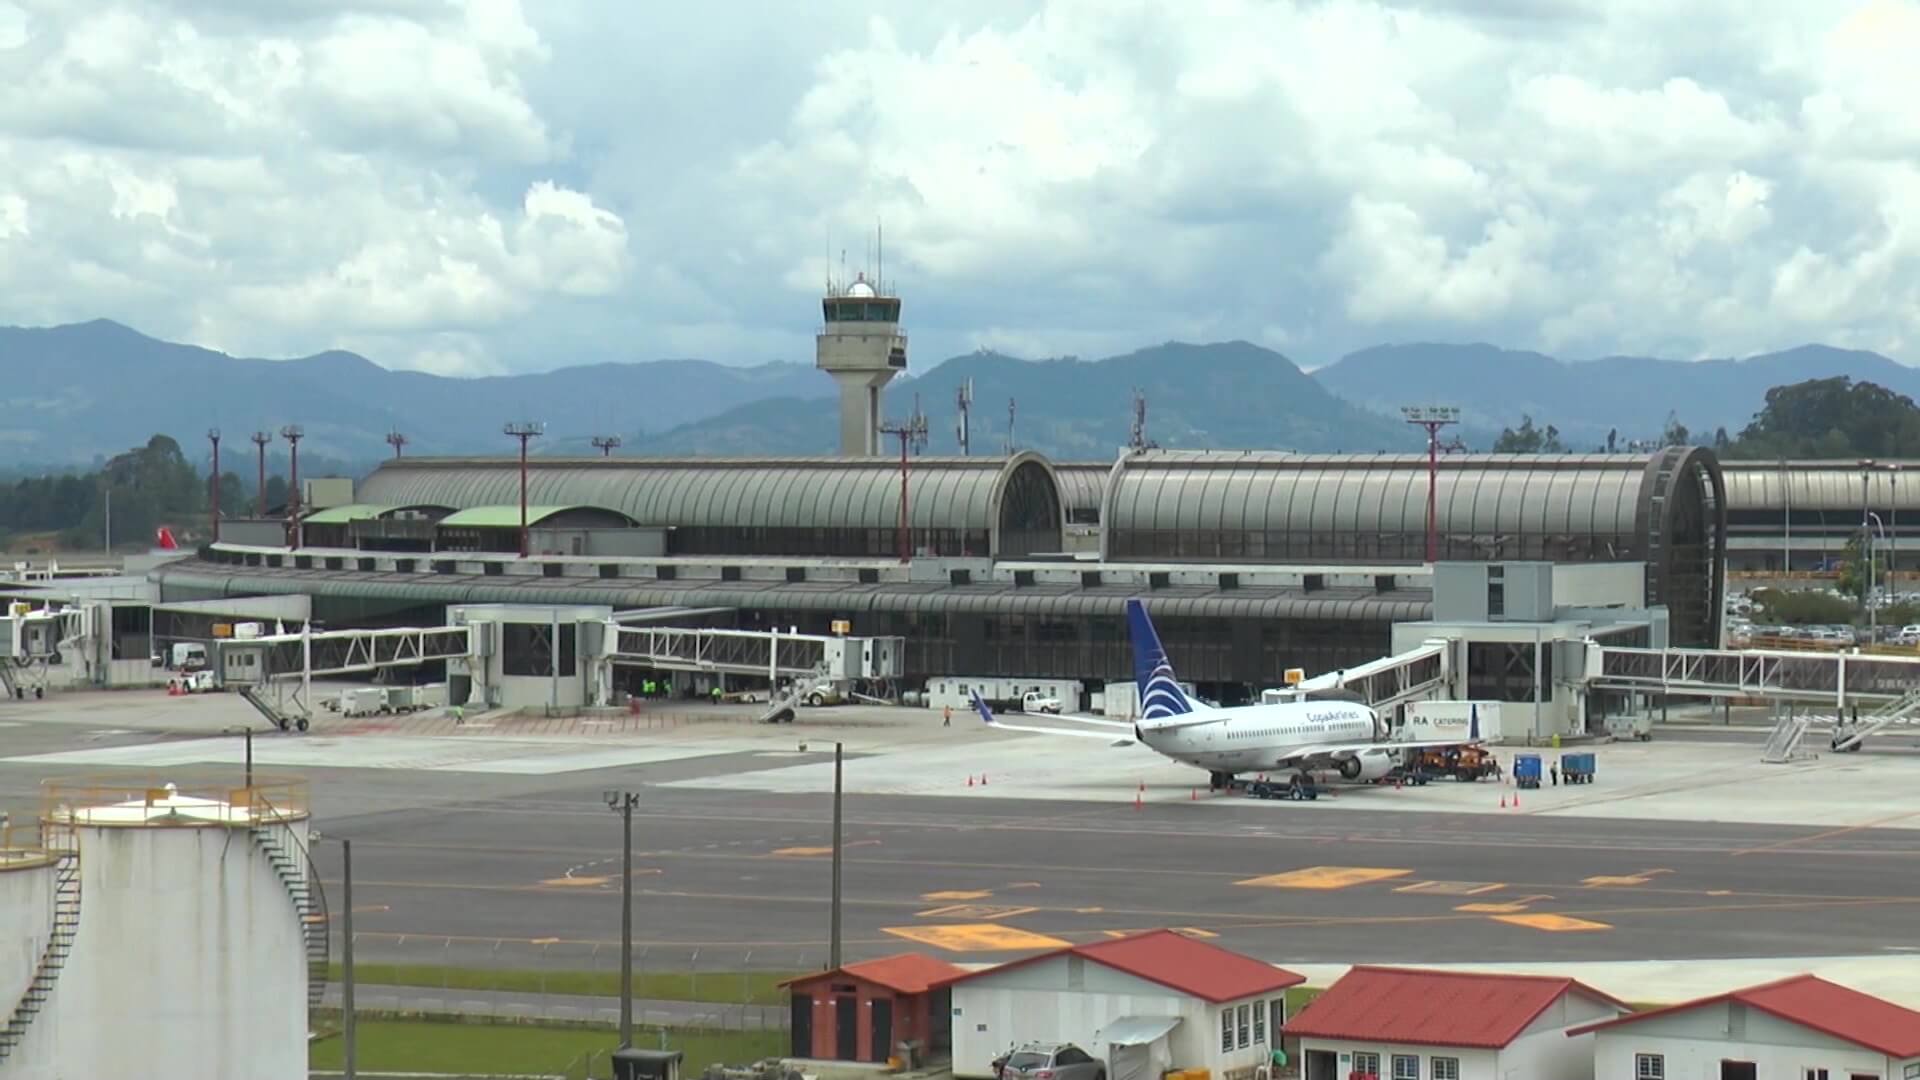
526, 649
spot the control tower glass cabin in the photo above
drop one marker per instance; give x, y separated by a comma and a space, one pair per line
861, 346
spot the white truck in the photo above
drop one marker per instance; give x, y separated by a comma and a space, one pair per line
187, 656
1033, 701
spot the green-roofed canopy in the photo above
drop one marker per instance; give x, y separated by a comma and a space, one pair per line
508, 517
341, 515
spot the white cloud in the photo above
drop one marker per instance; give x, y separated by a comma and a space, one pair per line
477, 185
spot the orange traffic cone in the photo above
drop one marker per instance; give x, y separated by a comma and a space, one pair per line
1503, 800
1516, 800
983, 779
1136, 800
1193, 795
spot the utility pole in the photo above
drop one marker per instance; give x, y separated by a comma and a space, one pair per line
1137, 432
912, 431
525, 431
622, 803
833, 954
346, 959
1010, 408
1433, 418
963, 400
293, 433
606, 444
260, 440
396, 440
213, 434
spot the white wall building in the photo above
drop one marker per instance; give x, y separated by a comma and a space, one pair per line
1402, 1024
1801, 1028
1143, 1004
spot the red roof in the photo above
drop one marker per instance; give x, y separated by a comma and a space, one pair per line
1434, 1008
905, 973
1812, 1002
1175, 961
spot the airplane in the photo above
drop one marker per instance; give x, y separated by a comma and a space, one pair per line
1301, 737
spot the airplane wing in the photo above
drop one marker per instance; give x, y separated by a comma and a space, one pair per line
986, 714
1096, 721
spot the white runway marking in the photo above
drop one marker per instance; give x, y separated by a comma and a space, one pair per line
474, 754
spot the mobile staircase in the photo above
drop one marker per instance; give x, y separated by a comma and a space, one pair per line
63, 845
1783, 745
272, 831
781, 705
1849, 734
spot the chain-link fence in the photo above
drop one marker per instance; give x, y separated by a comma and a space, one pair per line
717, 989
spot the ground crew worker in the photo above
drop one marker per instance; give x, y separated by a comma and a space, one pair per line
1554, 771
716, 694
948, 721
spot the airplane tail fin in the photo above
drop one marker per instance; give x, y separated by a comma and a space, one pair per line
1160, 693
163, 539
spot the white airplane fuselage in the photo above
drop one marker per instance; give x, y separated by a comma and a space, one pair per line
1256, 738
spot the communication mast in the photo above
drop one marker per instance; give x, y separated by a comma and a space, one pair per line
1432, 418
606, 444
1010, 411
396, 440
963, 400
1137, 434
213, 434
912, 432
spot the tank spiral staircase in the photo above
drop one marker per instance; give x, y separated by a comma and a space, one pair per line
292, 863
53, 959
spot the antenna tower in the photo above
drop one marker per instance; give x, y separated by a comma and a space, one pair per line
1137, 434
1010, 411
917, 420
396, 440
606, 444
963, 400
913, 432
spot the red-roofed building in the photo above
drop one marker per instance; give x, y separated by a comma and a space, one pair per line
1798, 1028
864, 1011
1408, 1024
1142, 1004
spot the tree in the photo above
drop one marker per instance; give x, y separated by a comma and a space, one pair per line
1613, 437
1527, 439
1801, 607
1830, 418
1854, 571
1721, 443
1676, 433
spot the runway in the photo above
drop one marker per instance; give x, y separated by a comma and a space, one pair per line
504, 865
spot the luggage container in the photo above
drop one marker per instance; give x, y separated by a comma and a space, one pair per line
366, 702
1576, 768
1526, 770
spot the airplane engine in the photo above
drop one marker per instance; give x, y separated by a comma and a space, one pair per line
1365, 767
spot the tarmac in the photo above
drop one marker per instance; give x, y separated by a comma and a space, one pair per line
1688, 866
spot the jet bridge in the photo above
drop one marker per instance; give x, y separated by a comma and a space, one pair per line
1889, 684
32, 640
274, 672
1418, 673
771, 654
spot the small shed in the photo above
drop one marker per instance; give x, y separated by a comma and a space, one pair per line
1405, 1024
1143, 1004
1802, 1026
864, 1011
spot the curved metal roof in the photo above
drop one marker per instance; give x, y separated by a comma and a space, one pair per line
1327, 493
829, 492
1083, 484
508, 516
1821, 485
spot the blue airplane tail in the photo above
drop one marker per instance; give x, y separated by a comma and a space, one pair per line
1160, 693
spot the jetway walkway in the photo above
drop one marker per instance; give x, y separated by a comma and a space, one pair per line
1418, 673
349, 652
768, 653
1839, 679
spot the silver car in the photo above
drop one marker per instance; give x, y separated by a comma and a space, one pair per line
1053, 1061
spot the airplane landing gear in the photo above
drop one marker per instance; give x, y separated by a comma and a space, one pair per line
1219, 781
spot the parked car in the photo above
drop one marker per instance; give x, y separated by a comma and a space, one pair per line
1053, 1061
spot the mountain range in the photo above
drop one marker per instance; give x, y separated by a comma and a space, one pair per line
78, 392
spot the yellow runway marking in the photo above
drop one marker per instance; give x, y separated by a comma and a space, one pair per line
1503, 907
957, 894
1325, 877
974, 937
974, 911
1640, 877
1183, 931
804, 851
1451, 888
1553, 924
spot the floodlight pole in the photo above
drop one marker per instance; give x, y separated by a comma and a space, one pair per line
1432, 418
293, 433
606, 444
396, 440
260, 440
833, 949
213, 434
622, 803
525, 432
907, 432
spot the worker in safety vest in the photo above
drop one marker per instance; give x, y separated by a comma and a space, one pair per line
947, 716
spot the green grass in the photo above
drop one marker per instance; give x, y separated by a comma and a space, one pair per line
416, 1046
714, 987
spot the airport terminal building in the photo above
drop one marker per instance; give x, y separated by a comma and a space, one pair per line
1252, 563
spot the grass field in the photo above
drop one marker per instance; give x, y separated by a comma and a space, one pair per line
716, 987
409, 1046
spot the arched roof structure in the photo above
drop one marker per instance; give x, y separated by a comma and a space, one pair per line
778, 506
1668, 510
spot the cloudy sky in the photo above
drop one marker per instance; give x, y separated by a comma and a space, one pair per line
478, 186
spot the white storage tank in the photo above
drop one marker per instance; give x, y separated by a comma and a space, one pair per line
26, 919
198, 911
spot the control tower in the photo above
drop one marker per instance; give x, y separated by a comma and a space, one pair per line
861, 346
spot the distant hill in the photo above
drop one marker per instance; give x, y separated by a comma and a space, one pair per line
1494, 387
75, 393
1230, 395
81, 393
